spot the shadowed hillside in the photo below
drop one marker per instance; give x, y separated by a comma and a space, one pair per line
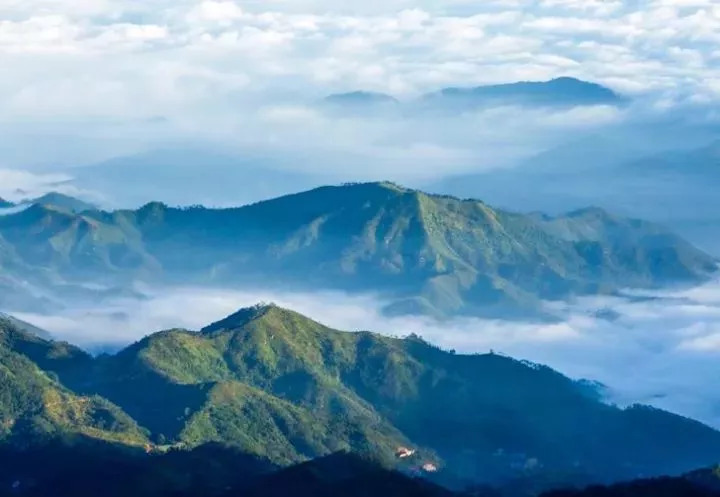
423, 253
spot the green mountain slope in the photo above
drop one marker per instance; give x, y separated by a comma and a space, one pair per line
61, 201
281, 386
277, 385
425, 253
35, 406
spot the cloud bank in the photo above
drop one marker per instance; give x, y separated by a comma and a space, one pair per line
135, 59
218, 68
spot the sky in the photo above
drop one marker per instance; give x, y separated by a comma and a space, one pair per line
86, 80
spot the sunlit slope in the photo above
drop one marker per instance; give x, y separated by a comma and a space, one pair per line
34, 404
282, 386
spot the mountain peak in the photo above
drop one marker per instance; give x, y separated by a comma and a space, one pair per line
383, 185
241, 317
56, 199
561, 91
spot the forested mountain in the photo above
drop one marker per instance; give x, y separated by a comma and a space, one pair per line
35, 405
424, 253
276, 385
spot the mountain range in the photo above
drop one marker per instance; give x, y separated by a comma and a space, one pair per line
672, 185
421, 253
278, 386
555, 93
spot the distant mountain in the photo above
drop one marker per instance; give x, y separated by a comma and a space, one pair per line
61, 201
361, 97
700, 164
424, 253
279, 386
360, 103
192, 172
4, 204
559, 92
673, 185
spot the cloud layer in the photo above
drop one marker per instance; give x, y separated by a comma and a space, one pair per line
89, 80
133, 59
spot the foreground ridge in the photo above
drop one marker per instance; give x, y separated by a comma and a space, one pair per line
277, 385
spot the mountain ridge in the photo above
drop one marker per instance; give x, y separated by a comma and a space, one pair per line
557, 92
425, 253
286, 388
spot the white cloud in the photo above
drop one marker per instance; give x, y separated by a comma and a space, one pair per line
206, 66
17, 185
389, 47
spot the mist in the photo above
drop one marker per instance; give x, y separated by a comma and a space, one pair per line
655, 348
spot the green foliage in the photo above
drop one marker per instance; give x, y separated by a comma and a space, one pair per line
432, 254
34, 406
278, 385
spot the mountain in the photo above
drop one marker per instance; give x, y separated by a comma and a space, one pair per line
36, 406
359, 103
673, 185
279, 386
341, 474
559, 92
61, 201
208, 471
4, 204
704, 483
11, 321
191, 172
95, 468
360, 97
702, 163
423, 253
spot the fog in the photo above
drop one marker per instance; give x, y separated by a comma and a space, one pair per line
657, 348
275, 148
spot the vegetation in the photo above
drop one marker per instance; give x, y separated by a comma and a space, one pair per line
276, 385
35, 407
427, 253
